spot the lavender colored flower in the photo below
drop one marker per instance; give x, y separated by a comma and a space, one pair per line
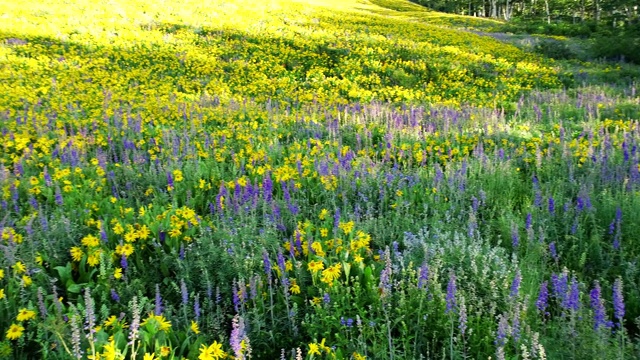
267, 264
123, 262
58, 197
170, 183
158, 302
599, 312
423, 277
451, 294
326, 298
281, 262
528, 222
552, 250
184, 292
618, 301
503, 331
515, 285
196, 307
114, 296
543, 298
515, 237
572, 301
552, 205
237, 335
462, 318
560, 285
515, 324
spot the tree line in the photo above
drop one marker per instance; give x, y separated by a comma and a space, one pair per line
613, 13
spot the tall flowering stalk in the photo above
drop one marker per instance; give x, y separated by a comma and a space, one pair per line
599, 312
618, 302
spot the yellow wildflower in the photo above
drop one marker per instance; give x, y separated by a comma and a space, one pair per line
148, 356
19, 267
315, 266
117, 273
357, 356
194, 327
314, 349
213, 352
294, 288
111, 321
110, 351
15, 332
330, 274
323, 214
25, 314
165, 351
90, 241
26, 280
76, 253
143, 232
177, 176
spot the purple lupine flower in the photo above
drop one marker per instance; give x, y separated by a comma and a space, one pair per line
462, 318
184, 292
181, 253
423, 276
475, 204
58, 197
385, 275
618, 231
451, 293
543, 298
515, 285
281, 263
579, 205
560, 286
336, 219
47, 177
114, 296
515, 324
158, 303
123, 262
170, 180
528, 222
41, 305
236, 297
618, 302
349, 322
552, 250
103, 234
267, 264
572, 301
253, 287
503, 331
196, 307
599, 312
515, 237
612, 227
237, 335
326, 298
552, 205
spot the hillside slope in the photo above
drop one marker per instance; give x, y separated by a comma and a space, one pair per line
290, 50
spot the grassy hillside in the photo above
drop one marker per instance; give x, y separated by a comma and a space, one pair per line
309, 179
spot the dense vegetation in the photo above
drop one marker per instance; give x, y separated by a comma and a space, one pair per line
612, 27
311, 179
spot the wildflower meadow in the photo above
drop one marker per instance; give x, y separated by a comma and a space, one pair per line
307, 179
